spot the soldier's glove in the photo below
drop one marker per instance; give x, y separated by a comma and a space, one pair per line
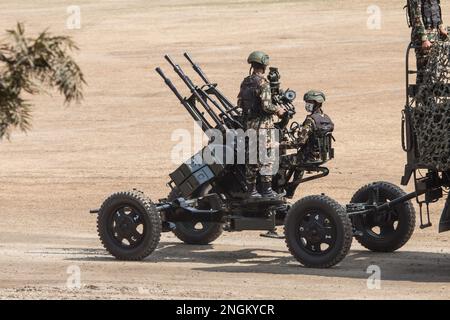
426, 45
280, 112
290, 113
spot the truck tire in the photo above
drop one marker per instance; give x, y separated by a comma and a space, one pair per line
388, 231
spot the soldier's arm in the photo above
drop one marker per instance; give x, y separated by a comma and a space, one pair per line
416, 19
266, 99
305, 131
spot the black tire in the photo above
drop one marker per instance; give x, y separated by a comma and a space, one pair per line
387, 231
315, 221
129, 225
196, 233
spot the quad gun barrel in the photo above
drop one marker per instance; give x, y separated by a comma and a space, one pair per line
220, 112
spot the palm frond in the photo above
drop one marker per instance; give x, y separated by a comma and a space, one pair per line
32, 65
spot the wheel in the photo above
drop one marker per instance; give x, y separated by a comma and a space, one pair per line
318, 232
385, 231
129, 225
198, 233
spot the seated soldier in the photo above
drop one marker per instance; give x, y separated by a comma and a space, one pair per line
315, 133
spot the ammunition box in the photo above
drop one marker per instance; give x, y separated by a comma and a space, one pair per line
195, 172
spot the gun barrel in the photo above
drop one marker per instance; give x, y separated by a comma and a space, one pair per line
197, 68
169, 83
194, 112
179, 71
231, 108
226, 108
195, 93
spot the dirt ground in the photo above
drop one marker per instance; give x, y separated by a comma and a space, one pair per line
120, 138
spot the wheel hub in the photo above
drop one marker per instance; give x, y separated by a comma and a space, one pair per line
125, 223
314, 233
127, 226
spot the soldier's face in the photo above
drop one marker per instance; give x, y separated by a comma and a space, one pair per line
309, 106
263, 69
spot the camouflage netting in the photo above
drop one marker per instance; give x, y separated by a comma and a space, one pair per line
431, 114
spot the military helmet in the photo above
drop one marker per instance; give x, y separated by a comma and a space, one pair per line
258, 57
314, 95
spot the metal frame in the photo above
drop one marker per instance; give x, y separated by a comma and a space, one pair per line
431, 185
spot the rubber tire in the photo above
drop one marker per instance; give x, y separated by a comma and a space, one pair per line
406, 223
184, 232
344, 232
149, 213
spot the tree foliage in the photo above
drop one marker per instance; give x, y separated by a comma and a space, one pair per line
32, 65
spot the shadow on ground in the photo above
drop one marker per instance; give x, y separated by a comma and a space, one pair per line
398, 266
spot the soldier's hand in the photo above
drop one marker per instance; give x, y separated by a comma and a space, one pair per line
426, 45
444, 33
281, 112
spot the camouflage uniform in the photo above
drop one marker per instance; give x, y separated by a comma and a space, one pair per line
261, 121
426, 21
305, 131
311, 135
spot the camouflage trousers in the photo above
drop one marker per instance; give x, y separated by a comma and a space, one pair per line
260, 153
422, 56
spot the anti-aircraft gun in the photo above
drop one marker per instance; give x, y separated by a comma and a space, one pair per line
209, 194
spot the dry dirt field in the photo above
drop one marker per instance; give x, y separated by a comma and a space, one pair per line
120, 138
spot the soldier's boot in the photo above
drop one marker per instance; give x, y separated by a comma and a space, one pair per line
267, 191
253, 192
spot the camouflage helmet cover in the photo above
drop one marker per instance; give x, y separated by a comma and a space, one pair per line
314, 95
258, 57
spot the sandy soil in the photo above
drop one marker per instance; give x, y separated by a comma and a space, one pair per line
120, 138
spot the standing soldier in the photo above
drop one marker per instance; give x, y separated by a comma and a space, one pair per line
255, 99
427, 27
